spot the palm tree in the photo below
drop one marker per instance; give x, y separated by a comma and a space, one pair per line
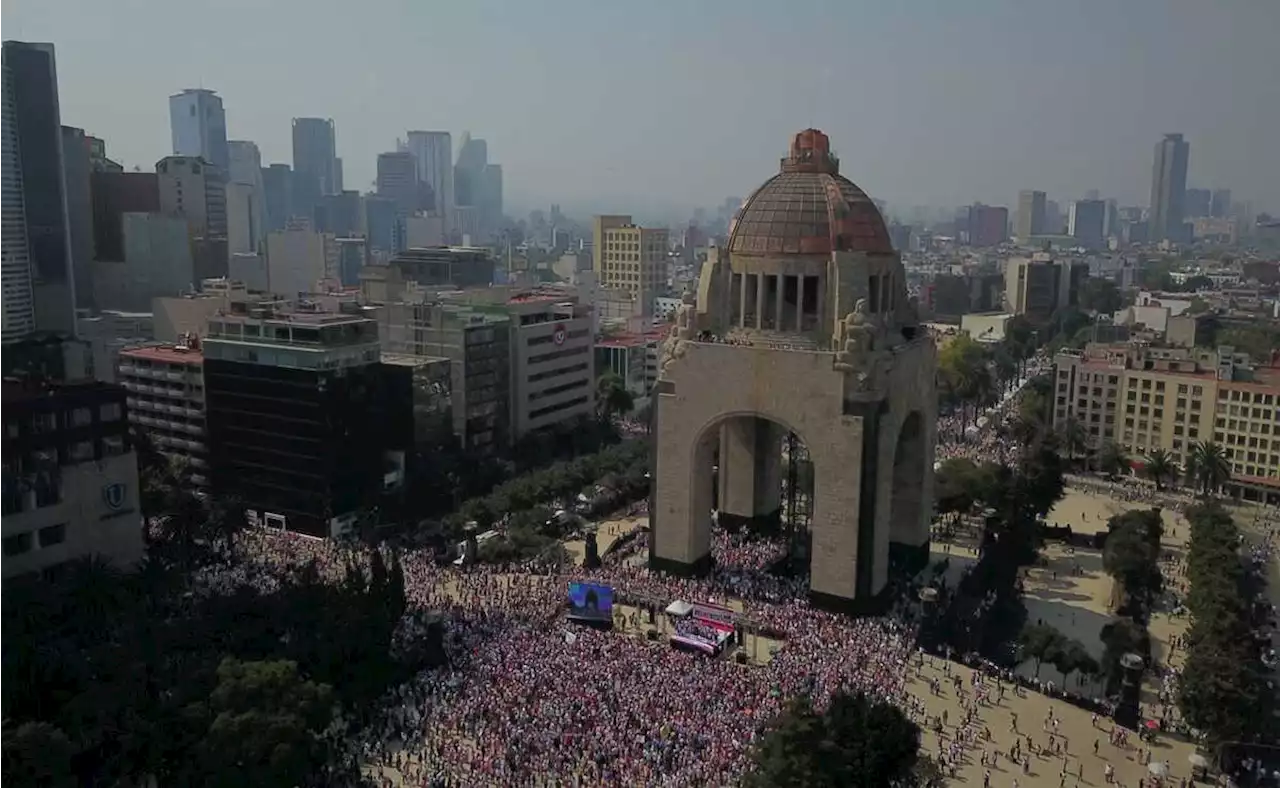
1160, 466
1208, 468
612, 397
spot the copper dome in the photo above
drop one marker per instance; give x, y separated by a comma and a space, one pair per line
808, 208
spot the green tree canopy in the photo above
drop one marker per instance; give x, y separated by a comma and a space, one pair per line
1100, 296
259, 725
858, 742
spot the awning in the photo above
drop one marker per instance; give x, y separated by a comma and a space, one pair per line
679, 608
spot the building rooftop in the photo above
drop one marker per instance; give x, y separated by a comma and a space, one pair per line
165, 353
405, 360
632, 338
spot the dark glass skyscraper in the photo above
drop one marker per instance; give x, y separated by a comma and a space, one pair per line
31, 79
1168, 188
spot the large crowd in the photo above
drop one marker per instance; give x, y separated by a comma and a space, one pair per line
528, 699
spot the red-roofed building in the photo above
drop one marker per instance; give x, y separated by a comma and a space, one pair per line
165, 385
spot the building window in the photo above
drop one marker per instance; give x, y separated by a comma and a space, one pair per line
113, 445
53, 535
81, 451
80, 417
17, 544
109, 412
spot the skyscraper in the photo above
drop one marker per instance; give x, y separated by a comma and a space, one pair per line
1031, 207
31, 84
246, 213
199, 126
398, 181
1197, 202
433, 152
1220, 203
1087, 222
1168, 188
986, 225
491, 198
76, 170
15, 259
277, 196
473, 157
315, 163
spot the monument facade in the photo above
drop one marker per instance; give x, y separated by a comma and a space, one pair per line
801, 324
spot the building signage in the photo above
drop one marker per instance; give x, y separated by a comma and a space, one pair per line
559, 336
113, 495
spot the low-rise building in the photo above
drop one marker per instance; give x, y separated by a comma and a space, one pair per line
165, 385
70, 477
633, 357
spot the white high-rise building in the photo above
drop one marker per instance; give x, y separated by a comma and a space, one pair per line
19, 304
433, 152
199, 126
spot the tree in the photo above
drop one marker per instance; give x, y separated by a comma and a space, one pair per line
1208, 468
259, 725
1074, 437
612, 397
1112, 460
1040, 643
1160, 467
1100, 296
858, 742
38, 754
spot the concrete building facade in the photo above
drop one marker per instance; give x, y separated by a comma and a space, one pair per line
628, 257
298, 259
157, 262
809, 319
165, 385
71, 478
552, 362
192, 188
1031, 214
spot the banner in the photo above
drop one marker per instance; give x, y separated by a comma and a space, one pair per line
715, 616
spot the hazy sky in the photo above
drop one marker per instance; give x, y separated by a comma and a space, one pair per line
604, 105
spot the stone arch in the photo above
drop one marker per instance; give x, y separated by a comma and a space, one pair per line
910, 508
749, 445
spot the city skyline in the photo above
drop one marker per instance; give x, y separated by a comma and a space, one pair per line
1024, 121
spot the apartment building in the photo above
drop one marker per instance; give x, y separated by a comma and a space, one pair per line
1146, 399
70, 478
165, 386
629, 257
1247, 425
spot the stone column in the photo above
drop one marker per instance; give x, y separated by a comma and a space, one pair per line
767, 485
760, 300
779, 302
737, 467
742, 299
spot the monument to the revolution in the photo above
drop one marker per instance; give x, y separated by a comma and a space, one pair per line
801, 324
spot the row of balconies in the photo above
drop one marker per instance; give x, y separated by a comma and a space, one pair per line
177, 376
182, 444
140, 406
170, 424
